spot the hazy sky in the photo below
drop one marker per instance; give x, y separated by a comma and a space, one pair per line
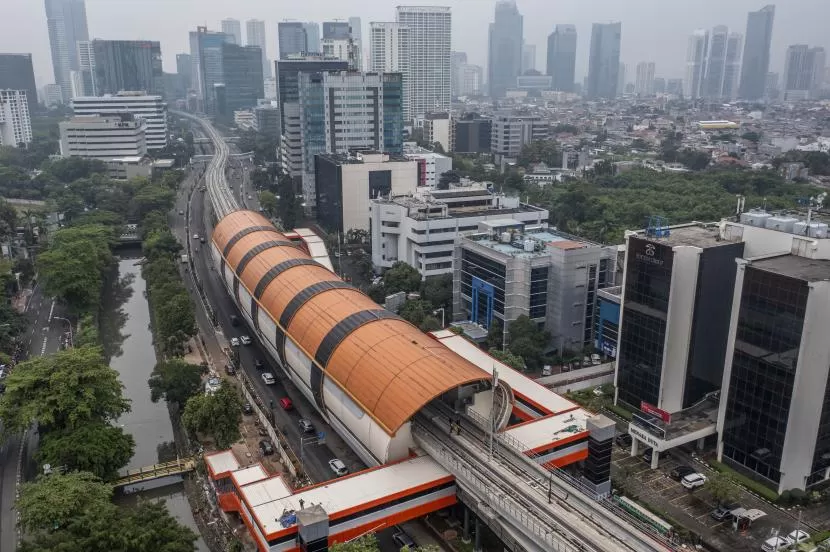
652, 30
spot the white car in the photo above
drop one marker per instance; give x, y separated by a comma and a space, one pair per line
234, 342
195, 236
212, 385
693, 480
799, 536
774, 544
338, 467
268, 378
245, 340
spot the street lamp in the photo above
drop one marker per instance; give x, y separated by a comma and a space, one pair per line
435, 312
305, 441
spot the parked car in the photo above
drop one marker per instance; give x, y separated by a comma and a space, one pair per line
234, 342
195, 236
680, 472
212, 385
258, 364
596, 359
774, 544
724, 511
647, 455
181, 212
798, 536
234, 320
693, 481
623, 440
230, 370
338, 467
247, 408
266, 447
268, 378
245, 340
306, 426
286, 404
402, 539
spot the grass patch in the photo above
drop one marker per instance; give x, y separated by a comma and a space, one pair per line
741, 479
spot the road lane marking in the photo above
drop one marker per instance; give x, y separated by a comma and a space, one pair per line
52, 310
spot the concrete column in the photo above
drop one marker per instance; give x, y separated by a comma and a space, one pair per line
655, 458
634, 446
465, 536
700, 443
477, 545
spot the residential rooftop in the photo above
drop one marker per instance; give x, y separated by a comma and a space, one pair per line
696, 234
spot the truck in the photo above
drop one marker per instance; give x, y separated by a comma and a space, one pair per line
185, 259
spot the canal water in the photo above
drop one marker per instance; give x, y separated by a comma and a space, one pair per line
128, 344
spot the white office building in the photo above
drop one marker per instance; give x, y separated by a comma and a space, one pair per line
430, 37
104, 137
513, 132
150, 108
15, 122
420, 229
431, 165
233, 29
344, 49
438, 129
390, 44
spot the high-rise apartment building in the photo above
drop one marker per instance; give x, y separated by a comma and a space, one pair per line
644, 85
528, 58
356, 26
151, 108
184, 67
242, 77
696, 64
255, 36
389, 53
604, 61
66, 20
232, 28
504, 62
312, 37
206, 62
512, 132
292, 38
347, 111
659, 85
430, 44
15, 121
17, 73
128, 65
103, 137
457, 60
755, 64
86, 69
803, 72
343, 49
561, 62
732, 69
471, 80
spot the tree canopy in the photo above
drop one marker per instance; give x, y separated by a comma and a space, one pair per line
64, 390
401, 277
52, 500
175, 381
217, 415
96, 447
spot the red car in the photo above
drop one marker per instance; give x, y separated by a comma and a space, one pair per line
286, 403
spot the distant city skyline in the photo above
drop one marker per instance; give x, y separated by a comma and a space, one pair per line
647, 23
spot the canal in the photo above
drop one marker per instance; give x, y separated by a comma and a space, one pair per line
128, 343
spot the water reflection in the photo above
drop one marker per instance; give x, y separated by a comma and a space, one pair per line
128, 342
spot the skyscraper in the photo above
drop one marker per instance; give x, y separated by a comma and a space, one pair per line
184, 67
390, 44
696, 63
17, 73
292, 38
528, 58
604, 60
66, 20
312, 37
644, 86
86, 68
803, 72
504, 62
621, 79
255, 29
430, 43
457, 61
732, 69
716, 63
755, 65
242, 76
206, 62
233, 29
356, 26
562, 57
128, 65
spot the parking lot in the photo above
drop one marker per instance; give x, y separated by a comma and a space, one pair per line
692, 509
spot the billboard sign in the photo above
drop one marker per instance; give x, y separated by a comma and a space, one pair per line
654, 411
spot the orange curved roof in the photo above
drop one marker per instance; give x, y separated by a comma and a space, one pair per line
386, 365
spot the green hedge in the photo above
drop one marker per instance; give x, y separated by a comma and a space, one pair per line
620, 411
751, 484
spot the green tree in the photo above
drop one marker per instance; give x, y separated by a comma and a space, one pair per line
64, 390
447, 178
511, 359
438, 290
364, 543
70, 169
289, 209
752, 136
51, 500
722, 488
175, 381
152, 197
401, 277
218, 415
268, 201
95, 447
495, 335
527, 341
